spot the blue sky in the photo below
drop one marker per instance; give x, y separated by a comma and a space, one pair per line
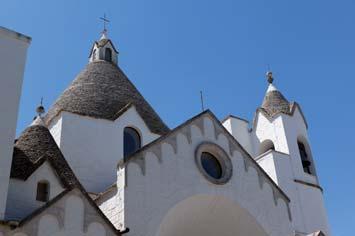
173, 49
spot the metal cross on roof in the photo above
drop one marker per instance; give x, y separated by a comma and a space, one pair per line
105, 21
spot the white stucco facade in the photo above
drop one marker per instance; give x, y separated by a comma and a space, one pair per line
93, 147
22, 194
71, 214
284, 164
161, 190
257, 179
13, 53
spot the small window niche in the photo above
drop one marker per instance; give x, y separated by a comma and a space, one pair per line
108, 54
42, 191
265, 146
305, 155
131, 141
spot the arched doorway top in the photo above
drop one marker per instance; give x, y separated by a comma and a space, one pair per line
209, 215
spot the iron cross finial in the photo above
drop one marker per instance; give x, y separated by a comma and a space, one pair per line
105, 21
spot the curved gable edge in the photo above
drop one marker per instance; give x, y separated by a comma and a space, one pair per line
139, 155
55, 203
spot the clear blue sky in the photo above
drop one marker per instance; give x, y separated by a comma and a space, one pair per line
173, 49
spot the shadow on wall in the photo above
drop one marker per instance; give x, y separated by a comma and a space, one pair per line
265, 146
209, 215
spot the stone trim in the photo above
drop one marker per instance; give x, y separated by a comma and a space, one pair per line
309, 184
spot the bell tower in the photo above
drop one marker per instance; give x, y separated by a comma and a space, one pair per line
282, 147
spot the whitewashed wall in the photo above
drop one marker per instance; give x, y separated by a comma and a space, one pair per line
70, 215
13, 50
22, 194
55, 128
166, 175
307, 203
111, 205
310, 199
284, 165
239, 128
93, 147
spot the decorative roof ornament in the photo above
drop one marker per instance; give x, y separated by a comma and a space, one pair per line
38, 120
274, 102
269, 77
105, 22
40, 109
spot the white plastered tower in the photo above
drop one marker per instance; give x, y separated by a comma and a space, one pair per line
13, 51
281, 146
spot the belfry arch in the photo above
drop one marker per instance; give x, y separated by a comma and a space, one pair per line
209, 215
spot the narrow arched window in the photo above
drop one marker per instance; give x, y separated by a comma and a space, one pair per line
42, 191
306, 163
132, 141
108, 54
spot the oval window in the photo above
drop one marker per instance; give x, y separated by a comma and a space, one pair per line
211, 165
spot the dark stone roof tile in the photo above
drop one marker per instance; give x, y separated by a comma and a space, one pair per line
274, 103
101, 90
35, 146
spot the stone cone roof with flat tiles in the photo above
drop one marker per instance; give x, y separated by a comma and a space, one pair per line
34, 146
103, 91
275, 103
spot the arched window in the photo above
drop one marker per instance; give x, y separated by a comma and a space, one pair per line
42, 191
265, 146
108, 54
132, 141
306, 163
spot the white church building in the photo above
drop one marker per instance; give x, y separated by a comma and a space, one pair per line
102, 162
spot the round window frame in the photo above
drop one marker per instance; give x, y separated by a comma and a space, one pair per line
221, 156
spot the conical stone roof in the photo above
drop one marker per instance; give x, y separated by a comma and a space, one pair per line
274, 102
103, 91
34, 146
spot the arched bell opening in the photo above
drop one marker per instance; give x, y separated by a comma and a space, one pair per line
306, 155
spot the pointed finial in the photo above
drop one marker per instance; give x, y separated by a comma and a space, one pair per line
40, 109
105, 21
269, 77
